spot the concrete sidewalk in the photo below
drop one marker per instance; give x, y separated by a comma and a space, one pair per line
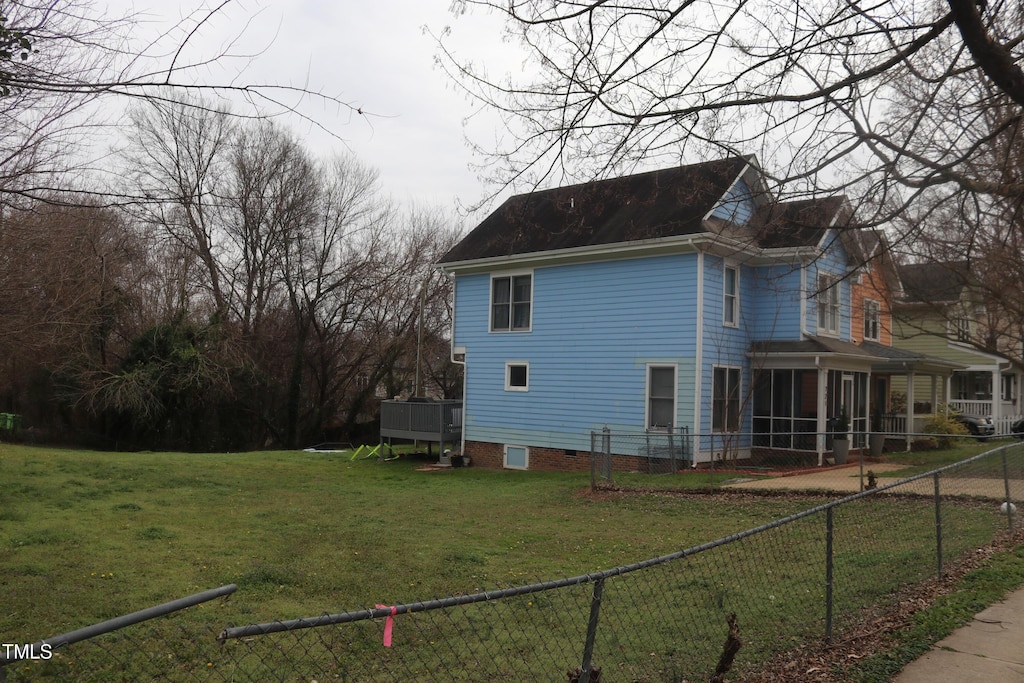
989, 649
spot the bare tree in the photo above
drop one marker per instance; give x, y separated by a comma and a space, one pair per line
818, 90
177, 158
60, 58
270, 207
330, 274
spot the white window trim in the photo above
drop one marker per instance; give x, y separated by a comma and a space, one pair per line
1008, 381
726, 267
647, 392
504, 458
739, 397
824, 298
508, 375
490, 300
878, 319
961, 329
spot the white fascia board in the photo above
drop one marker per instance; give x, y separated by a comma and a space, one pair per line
680, 244
973, 350
784, 255
806, 359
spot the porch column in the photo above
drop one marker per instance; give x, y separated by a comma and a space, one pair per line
869, 390
997, 395
910, 409
1018, 386
822, 414
935, 393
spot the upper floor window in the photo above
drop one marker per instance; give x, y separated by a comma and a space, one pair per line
962, 329
872, 315
731, 296
511, 300
828, 304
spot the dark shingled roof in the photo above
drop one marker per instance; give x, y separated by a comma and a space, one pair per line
934, 282
796, 224
657, 204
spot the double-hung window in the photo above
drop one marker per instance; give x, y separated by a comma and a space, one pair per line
725, 399
828, 304
511, 301
661, 396
731, 296
872, 315
1009, 383
962, 329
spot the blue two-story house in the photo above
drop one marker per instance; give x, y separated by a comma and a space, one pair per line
681, 298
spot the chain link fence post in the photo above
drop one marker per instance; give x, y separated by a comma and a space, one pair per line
1006, 486
829, 526
938, 524
588, 648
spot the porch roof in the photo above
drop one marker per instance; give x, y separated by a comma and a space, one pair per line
882, 359
901, 361
811, 347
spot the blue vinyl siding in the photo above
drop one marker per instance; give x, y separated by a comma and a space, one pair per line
737, 206
724, 345
596, 327
834, 263
775, 296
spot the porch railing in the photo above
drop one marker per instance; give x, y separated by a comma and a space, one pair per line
897, 424
972, 407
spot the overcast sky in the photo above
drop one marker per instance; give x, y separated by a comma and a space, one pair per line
374, 55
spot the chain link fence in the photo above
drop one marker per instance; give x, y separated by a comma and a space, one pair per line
729, 604
718, 460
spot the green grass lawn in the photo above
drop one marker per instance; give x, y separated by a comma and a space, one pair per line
923, 461
87, 536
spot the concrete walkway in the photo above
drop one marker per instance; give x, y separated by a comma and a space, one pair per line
846, 479
989, 649
839, 479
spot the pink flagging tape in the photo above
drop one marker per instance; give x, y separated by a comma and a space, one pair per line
389, 624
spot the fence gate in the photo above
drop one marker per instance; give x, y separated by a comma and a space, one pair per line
653, 452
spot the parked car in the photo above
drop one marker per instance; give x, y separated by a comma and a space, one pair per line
1017, 429
977, 425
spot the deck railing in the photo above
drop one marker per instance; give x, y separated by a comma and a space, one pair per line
420, 419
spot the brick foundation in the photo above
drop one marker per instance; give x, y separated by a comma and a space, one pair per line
492, 455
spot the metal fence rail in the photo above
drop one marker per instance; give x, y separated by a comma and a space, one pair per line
117, 651
665, 618
803, 578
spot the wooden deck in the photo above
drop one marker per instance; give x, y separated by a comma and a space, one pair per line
424, 420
